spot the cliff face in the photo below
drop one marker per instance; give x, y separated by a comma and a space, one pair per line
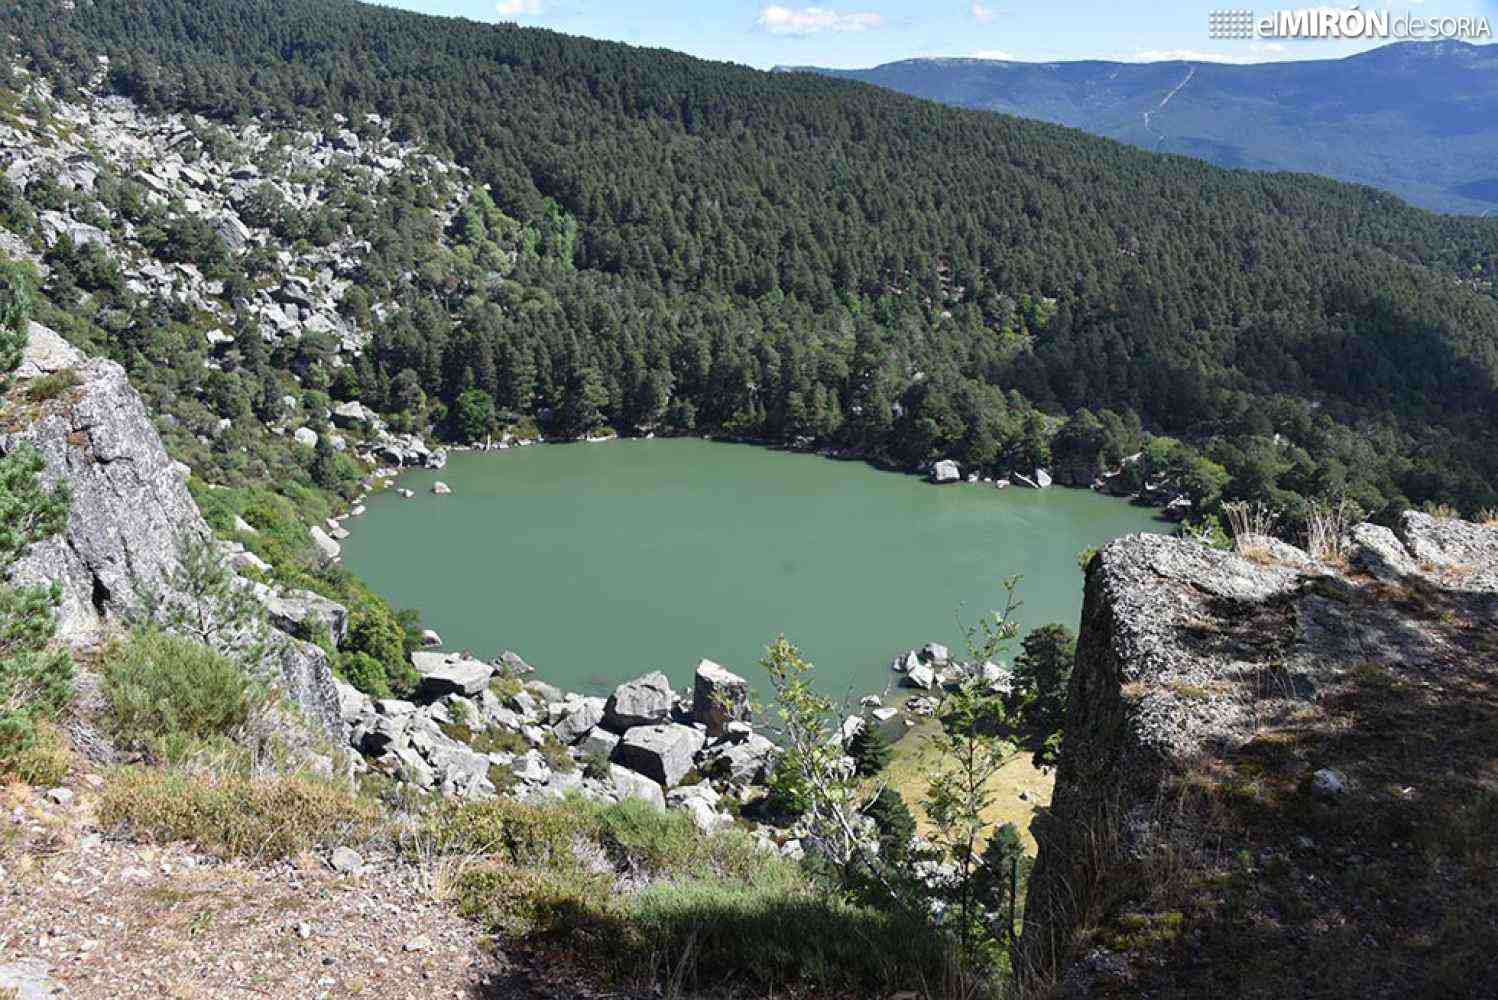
1278, 775
130, 506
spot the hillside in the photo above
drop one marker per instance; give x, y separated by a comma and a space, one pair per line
1412, 118
687, 247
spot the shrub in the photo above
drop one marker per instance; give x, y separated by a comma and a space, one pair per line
44, 760
233, 815
161, 685
49, 387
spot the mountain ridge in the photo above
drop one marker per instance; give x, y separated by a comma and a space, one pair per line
1335, 117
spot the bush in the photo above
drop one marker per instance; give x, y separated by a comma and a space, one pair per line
164, 686
234, 815
630, 894
44, 760
49, 387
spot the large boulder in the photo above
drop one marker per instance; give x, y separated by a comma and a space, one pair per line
329, 549
663, 753
1192, 664
643, 701
946, 472
578, 719
629, 785
719, 697
305, 615
745, 762
443, 674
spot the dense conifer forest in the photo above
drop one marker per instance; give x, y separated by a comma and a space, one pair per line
680, 246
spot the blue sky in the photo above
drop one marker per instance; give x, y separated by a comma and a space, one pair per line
856, 33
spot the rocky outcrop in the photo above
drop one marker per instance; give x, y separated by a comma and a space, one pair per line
1209, 686
130, 509
644, 701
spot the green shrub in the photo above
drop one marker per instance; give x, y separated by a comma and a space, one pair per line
165, 686
50, 387
232, 815
42, 760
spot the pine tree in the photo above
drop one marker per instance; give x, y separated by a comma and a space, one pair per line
871, 749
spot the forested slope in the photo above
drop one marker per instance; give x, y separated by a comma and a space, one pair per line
707, 248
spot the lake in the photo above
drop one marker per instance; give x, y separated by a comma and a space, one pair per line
598, 562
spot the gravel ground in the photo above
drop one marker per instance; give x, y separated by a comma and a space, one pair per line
86, 916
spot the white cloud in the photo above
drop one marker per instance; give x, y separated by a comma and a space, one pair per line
779, 20
520, 8
984, 14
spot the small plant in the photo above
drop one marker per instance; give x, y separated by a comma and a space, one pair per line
1249, 522
596, 765
870, 749
1327, 525
165, 686
50, 387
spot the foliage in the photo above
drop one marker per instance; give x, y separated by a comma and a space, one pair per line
35, 682
639, 897
813, 771
870, 748
973, 749
202, 599
168, 687
50, 387
15, 307
1042, 675
1001, 292
893, 819
234, 815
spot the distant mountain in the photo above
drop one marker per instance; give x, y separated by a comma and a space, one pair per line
1418, 119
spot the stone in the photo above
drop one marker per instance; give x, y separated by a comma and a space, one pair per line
1043, 479
935, 654
884, 714
663, 753
352, 415
352, 702
307, 615
946, 471
599, 743
704, 817
629, 785
444, 674
305, 436
643, 701
512, 664
346, 860
441, 489
430, 639
922, 678
420, 942
60, 796
579, 720
330, 550
747, 762
1328, 783
719, 697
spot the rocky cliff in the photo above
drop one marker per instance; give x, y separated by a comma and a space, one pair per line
1278, 774
130, 505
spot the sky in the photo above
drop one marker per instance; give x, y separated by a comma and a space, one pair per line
861, 33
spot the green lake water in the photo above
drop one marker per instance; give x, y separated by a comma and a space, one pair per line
598, 562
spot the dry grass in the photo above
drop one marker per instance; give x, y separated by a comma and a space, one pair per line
914, 761
1327, 527
232, 815
1248, 522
